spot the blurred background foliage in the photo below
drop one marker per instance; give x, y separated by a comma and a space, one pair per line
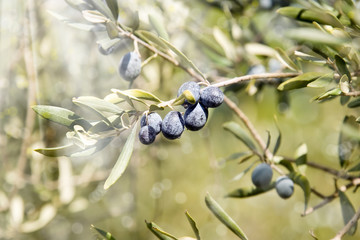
45, 61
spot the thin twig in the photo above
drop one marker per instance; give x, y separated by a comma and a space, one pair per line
331, 171
329, 198
255, 76
253, 131
31, 95
347, 227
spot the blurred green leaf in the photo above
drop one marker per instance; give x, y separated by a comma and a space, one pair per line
103, 8
301, 154
278, 141
311, 35
341, 66
300, 81
99, 104
287, 164
152, 38
137, 94
114, 8
193, 225
238, 132
348, 211
94, 16
112, 30
134, 20
241, 174
73, 150
322, 81
310, 57
354, 103
249, 192
219, 212
88, 105
303, 182
355, 168
348, 140
59, 151
226, 44
183, 59
334, 92
237, 155
158, 232
102, 233
61, 116
312, 15
285, 60
123, 159
344, 84
159, 26
259, 49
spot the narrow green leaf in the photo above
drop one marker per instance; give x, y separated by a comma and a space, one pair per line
287, 164
249, 192
103, 8
344, 84
355, 168
237, 155
341, 66
159, 26
123, 159
112, 30
311, 35
348, 211
322, 81
72, 150
348, 140
301, 154
98, 104
61, 116
238, 132
224, 41
344, 99
300, 81
138, 93
241, 174
354, 103
114, 8
58, 151
329, 94
219, 212
307, 15
303, 182
91, 107
193, 225
183, 59
157, 231
103, 233
152, 38
285, 60
94, 16
278, 141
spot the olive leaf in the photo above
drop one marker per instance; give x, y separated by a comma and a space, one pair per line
300, 81
193, 225
348, 211
158, 232
303, 182
123, 159
239, 133
220, 214
102, 233
61, 116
